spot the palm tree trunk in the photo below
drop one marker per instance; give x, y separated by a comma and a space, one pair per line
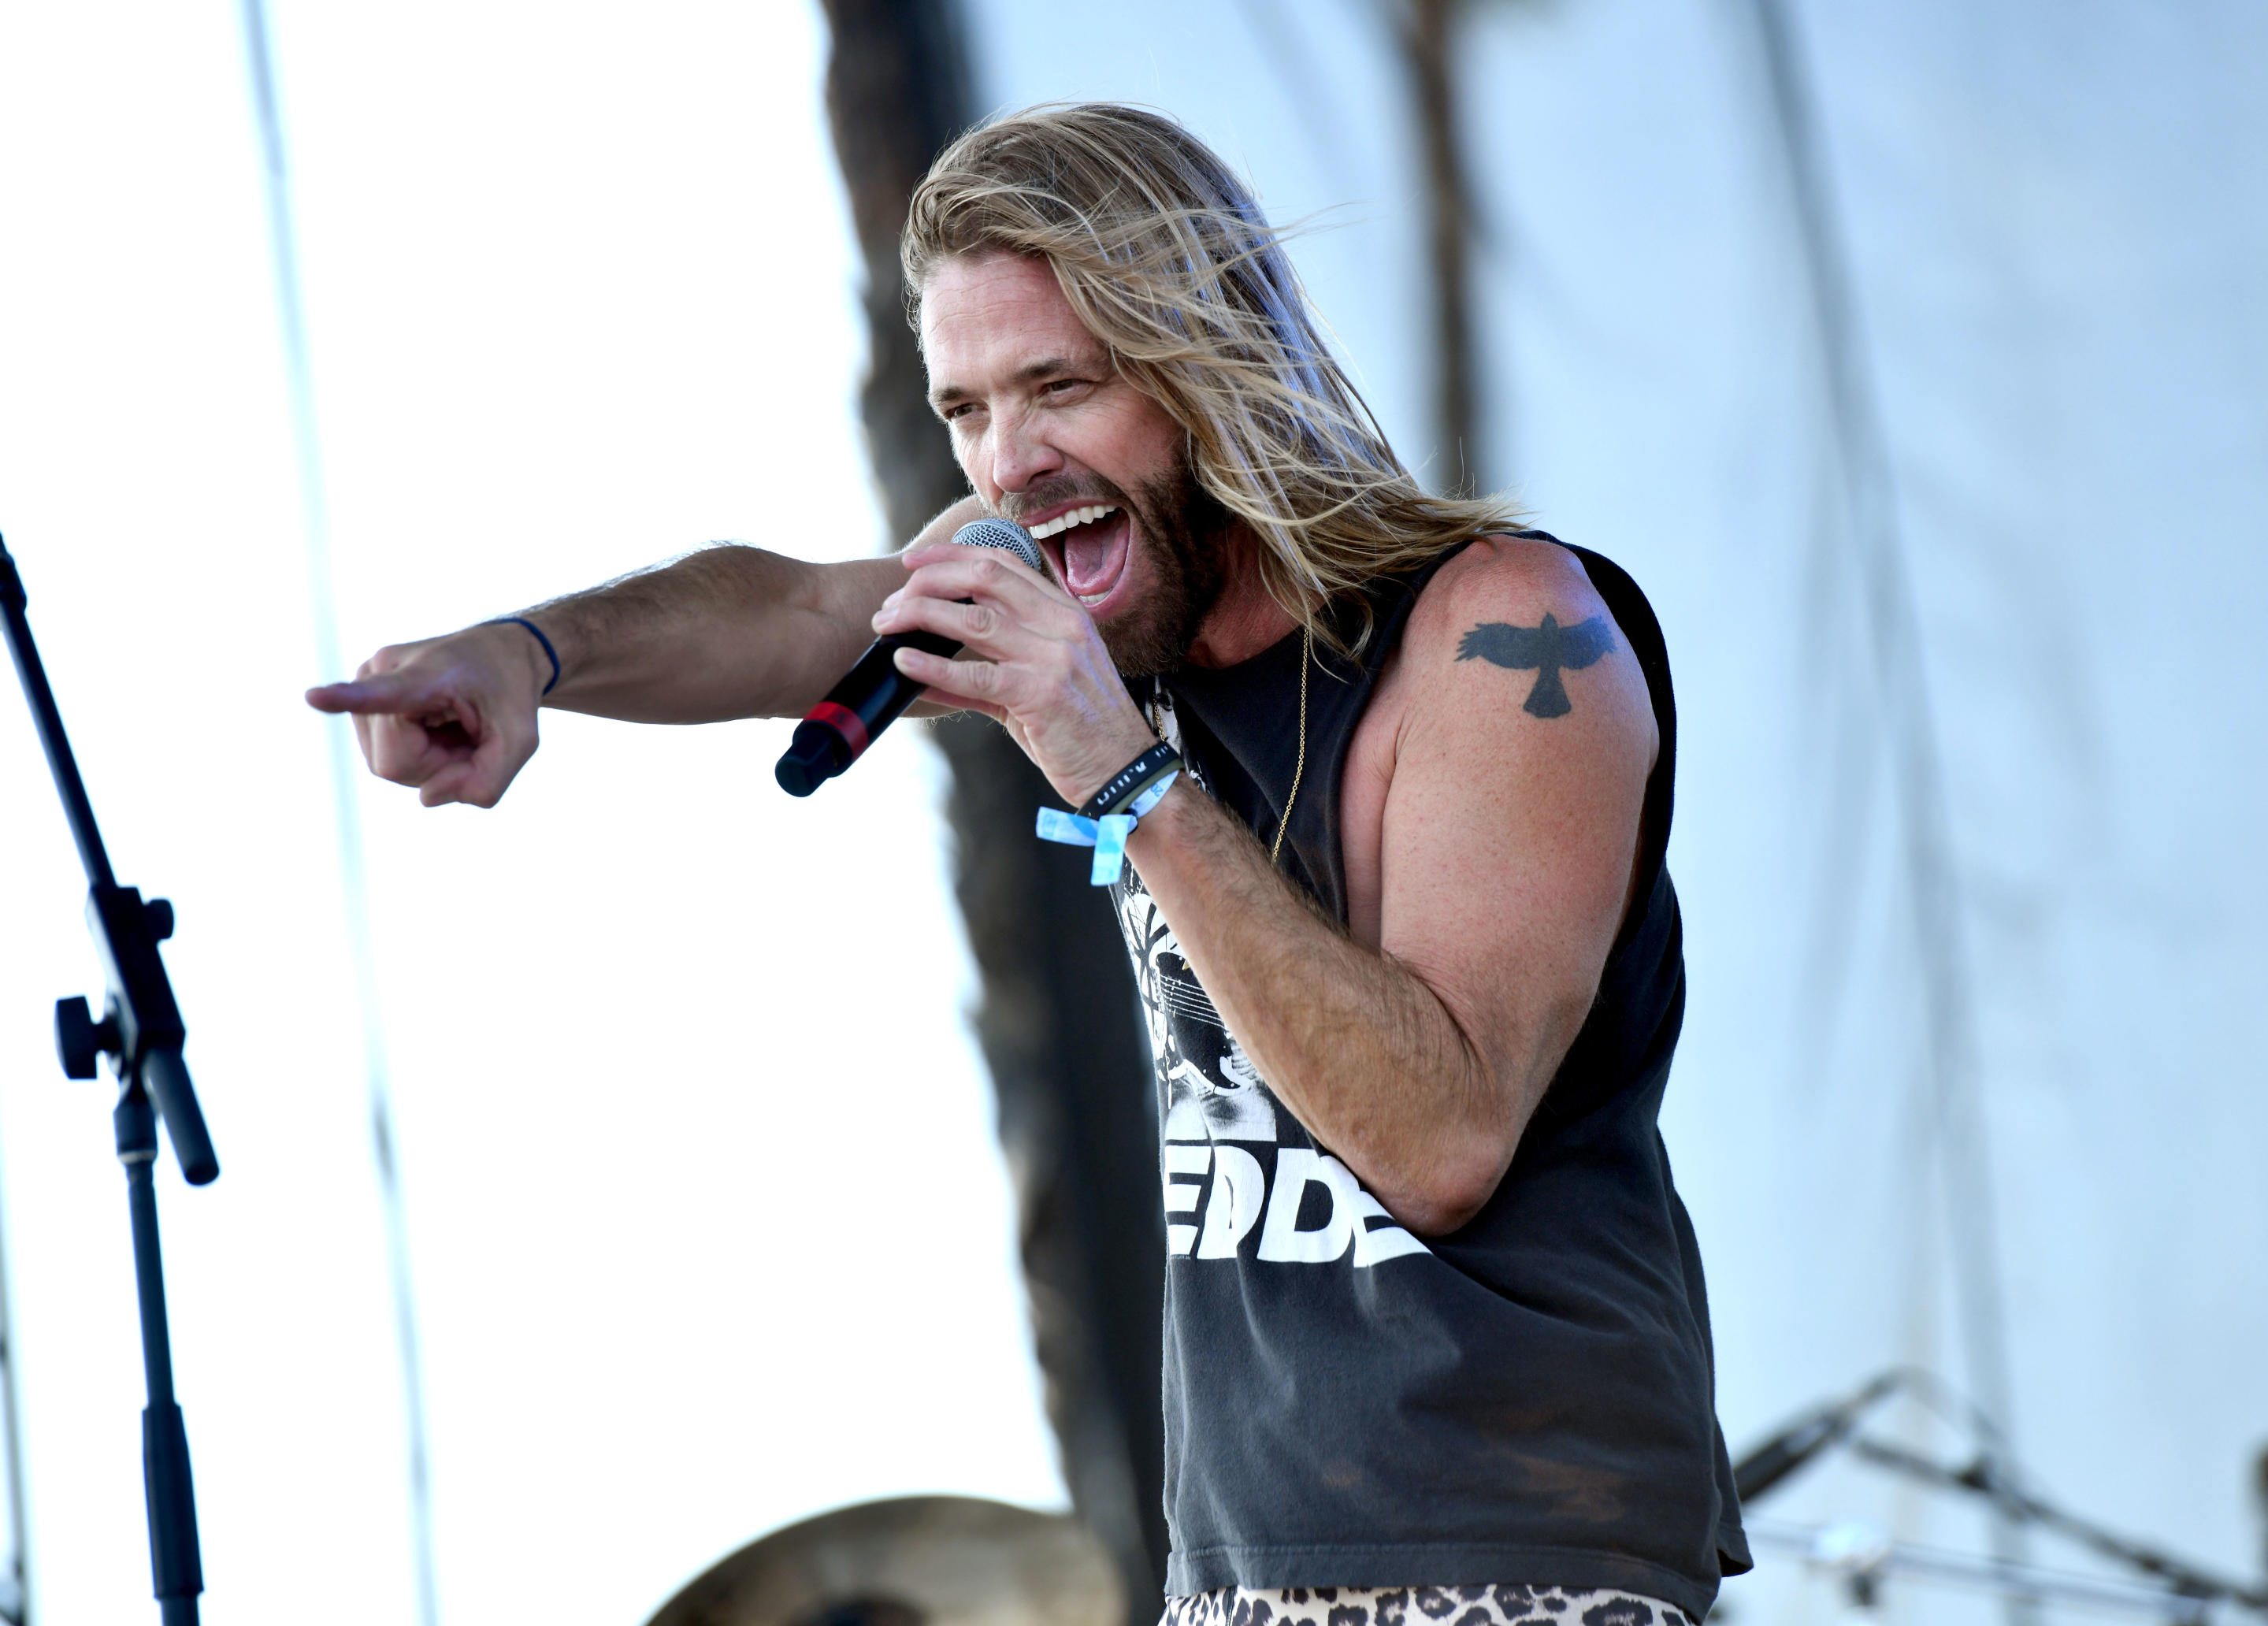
1057, 1019
1430, 32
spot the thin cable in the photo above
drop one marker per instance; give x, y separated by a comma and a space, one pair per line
16, 1608
1894, 622
345, 782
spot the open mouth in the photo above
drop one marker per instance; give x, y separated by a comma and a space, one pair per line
1088, 547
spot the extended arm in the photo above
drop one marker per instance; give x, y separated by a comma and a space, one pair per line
726, 632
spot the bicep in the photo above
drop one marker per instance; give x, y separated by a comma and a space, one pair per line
1508, 845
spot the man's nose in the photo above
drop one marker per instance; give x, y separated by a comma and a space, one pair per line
1020, 452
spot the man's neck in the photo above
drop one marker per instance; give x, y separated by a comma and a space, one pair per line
1246, 618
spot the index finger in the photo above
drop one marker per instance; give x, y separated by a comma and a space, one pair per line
944, 547
384, 694
945, 570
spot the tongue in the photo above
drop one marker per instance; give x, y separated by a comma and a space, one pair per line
1091, 553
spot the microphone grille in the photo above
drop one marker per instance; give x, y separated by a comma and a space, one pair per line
1005, 536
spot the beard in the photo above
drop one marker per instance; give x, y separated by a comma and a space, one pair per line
1185, 531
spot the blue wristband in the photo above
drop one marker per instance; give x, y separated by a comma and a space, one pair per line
1107, 835
522, 620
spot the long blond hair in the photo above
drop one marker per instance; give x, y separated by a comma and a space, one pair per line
1167, 259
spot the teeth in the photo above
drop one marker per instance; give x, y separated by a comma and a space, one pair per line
1061, 523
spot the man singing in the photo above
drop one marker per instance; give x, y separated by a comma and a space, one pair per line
1437, 1343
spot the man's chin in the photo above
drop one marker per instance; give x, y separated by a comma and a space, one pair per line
1142, 650
1151, 637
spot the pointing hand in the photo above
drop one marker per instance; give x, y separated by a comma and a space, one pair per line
455, 716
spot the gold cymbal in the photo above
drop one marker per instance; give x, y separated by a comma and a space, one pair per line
914, 1561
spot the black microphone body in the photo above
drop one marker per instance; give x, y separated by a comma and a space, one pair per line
874, 694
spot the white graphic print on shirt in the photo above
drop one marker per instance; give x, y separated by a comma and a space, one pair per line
1220, 1123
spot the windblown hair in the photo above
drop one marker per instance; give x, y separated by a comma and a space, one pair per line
1167, 259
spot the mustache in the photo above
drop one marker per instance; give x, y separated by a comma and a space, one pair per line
1057, 491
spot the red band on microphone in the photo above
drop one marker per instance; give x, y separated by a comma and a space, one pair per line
844, 722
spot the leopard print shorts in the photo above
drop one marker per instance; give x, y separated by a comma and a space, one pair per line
1418, 1606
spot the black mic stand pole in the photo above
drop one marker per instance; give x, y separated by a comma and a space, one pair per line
141, 1031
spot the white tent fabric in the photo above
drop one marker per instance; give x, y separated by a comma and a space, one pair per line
2054, 219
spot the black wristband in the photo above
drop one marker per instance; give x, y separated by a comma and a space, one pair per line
1132, 780
522, 620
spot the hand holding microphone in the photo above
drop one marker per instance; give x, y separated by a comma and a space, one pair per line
874, 694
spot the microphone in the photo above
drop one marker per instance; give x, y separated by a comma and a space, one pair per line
1803, 1439
872, 695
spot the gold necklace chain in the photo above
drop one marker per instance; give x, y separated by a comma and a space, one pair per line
1300, 768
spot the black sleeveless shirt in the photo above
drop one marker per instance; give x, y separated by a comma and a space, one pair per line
1527, 1400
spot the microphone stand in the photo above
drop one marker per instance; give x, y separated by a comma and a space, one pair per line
1793, 1447
142, 1033
2189, 1586
1864, 1557
2178, 1575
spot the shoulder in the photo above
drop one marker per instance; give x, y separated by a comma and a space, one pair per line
1505, 756
1516, 628
1505, 579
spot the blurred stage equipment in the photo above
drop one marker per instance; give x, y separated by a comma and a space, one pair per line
142, 1033
2260, 1502
915, 1561
2174, 1588
1803, 1439
1863, 1557
874, 694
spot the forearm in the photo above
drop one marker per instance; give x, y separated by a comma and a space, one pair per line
1362, 1050
726, 632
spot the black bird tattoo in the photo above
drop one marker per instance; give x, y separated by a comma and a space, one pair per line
1547, 649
